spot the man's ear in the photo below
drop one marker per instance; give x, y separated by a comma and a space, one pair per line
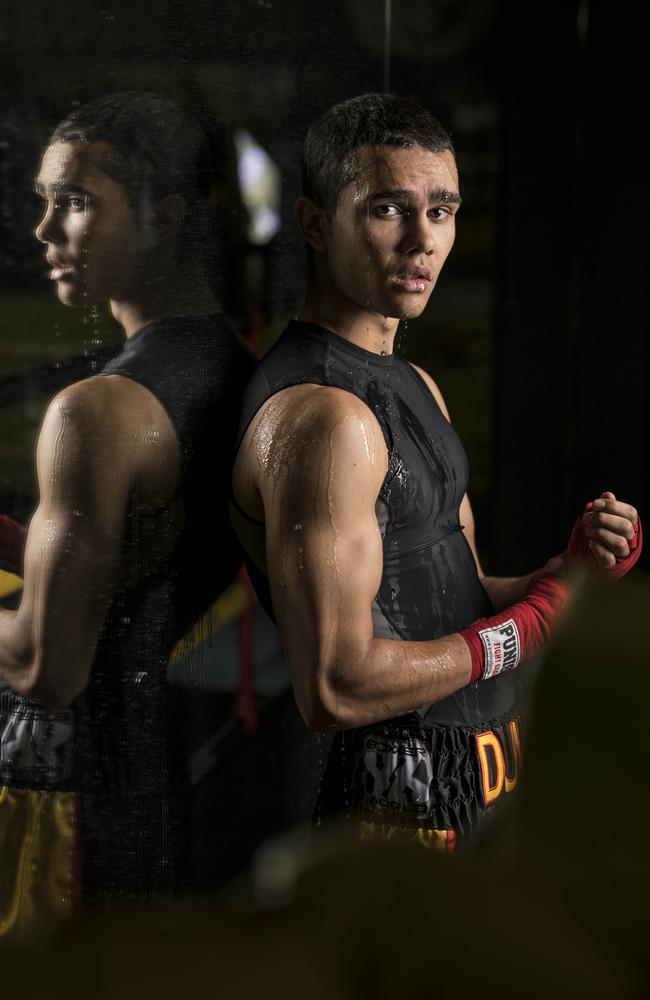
170, 213
312, 223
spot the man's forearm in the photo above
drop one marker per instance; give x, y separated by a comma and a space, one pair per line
357, 683
15, 663
506, 590
390, 677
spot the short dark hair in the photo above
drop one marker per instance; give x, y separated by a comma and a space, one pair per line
156, 149
329, 159
154, 142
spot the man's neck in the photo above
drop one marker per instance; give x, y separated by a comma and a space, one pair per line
160, 299
329, 309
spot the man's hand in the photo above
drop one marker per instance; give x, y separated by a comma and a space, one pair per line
12, 544
609, 527
607, 535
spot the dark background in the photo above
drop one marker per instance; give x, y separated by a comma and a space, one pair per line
537, 332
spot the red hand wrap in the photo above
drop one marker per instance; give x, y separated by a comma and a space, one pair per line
515, 634
578, 548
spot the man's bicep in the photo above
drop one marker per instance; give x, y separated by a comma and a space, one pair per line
82, 466
324, 550
72, 550
83, 492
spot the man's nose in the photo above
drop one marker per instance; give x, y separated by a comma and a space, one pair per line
419, 237
48, 229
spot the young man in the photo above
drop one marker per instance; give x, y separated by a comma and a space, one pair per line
350, 497
130, 539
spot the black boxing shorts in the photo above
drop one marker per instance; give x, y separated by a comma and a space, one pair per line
433, 785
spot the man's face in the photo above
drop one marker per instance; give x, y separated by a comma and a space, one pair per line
94, 246
393, 228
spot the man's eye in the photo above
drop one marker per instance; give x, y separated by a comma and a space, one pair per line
440, 212
386, 211
73, 202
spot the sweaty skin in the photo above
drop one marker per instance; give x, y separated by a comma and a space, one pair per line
313, 459
318, 483
103, 442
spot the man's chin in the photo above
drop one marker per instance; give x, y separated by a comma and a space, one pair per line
72, 295
410, 310
409, 306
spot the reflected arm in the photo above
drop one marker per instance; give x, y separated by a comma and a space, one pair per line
72, 552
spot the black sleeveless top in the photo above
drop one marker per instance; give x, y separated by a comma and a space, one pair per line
429, 586
130, 771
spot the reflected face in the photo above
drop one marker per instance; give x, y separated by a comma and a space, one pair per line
393, 228
89, 228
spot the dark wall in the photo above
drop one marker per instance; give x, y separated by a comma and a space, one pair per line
572, 364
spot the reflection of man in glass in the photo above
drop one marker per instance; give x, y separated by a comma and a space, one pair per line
351, 498
124, 460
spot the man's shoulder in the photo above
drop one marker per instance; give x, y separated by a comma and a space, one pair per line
319, 407
81, 433
433, 388
105, 406
112, 432
309, 435
96, 393
312, 424
84, 399
424, 375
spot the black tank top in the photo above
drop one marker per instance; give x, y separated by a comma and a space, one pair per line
198, 368
429, 586
129, 751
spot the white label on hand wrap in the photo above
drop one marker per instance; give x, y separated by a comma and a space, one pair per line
502, 648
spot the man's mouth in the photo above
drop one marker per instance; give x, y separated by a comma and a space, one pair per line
415, 280
59, 269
